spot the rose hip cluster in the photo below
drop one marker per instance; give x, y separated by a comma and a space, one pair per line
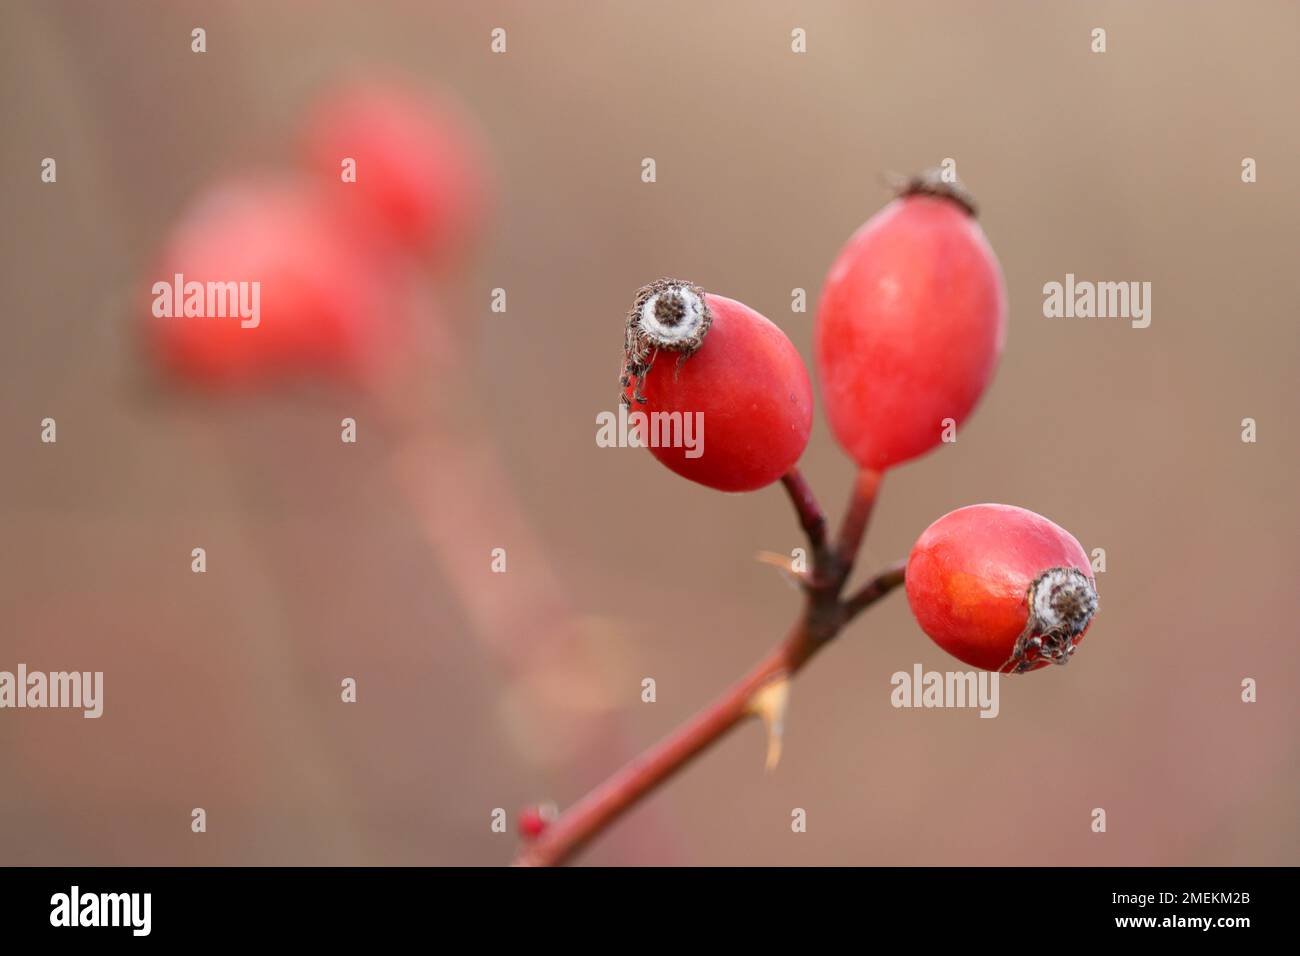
910, 327
389, 185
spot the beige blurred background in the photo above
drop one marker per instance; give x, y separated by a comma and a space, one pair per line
479, 691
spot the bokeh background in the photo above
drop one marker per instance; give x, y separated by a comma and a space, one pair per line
479, 690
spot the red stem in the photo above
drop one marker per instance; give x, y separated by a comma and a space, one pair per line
824, 616
856, 517
806, 507
875, 589
585, 819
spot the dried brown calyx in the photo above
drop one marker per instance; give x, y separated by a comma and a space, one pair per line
937, 182
667, 314
1062, 602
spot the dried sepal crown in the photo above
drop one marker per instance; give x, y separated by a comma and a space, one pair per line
666, 314
1062, 602
934, 182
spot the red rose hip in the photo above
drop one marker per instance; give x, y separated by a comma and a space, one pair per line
1001, 588
910, 326
419, 164
715, 370
325, 300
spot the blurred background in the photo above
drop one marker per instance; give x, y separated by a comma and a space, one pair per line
479, 690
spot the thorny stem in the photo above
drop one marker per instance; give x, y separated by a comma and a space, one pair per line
824, 615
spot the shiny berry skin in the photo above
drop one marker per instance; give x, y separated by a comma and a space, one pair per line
690, 351
328, 299
420, 169
910, 326
1001, 588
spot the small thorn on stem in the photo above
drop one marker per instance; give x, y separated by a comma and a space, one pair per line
763, 692
769, 703
783, 563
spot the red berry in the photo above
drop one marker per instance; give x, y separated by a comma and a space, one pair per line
910, 326
690, 352
327, 303
419, 167
1001, 588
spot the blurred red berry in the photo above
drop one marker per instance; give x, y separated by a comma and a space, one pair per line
327, 303
686, 352
1001, 588
419, 166
910, 326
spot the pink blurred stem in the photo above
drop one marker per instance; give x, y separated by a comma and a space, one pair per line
459, 490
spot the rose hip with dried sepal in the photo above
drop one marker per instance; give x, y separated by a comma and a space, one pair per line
910, 326
687, 352
1001, 588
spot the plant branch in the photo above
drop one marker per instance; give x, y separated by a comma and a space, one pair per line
811, 518
874, 590
856, 517
824, 616
600, 807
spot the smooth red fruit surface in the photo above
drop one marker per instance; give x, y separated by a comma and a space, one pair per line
910, 326
327, 302
753, 390
419, 166
969, 575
